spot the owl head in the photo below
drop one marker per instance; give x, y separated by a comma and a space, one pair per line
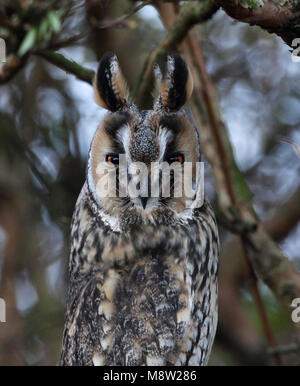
134, 151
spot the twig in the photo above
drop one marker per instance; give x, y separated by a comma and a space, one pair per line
284, 349
285, 218
67, 65
294, 144
259, 303
119, 22
9, 69
66, 42
197, 56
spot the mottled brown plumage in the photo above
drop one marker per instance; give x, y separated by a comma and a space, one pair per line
143, 272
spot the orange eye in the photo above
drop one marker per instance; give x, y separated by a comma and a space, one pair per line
112, 159
181, 158
176, 158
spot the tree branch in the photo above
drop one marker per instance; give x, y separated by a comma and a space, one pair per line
276, 16
286, 349
67, 65
233, 271
278, 227
285, 218
268, 260
120, 21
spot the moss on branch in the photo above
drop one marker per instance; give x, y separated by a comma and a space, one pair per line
281, 17
67, 65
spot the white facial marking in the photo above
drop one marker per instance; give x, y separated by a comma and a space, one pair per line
165, 137
114, 65
124, 138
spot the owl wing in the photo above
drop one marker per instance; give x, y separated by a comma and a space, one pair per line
133, 317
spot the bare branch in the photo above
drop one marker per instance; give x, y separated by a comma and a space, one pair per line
67, 65
280, 17
120, 21
286, 349
285, 218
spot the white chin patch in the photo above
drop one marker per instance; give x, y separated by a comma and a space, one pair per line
151, 204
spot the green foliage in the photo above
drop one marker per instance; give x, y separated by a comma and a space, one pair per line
54, 21
41, 33
252, 3
28, 42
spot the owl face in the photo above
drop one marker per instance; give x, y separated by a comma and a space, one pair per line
138, 158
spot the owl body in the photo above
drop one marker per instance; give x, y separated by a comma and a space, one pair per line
143, 272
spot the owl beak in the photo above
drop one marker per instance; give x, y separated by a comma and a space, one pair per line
144, 201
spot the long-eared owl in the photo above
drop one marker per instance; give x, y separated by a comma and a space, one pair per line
143, 268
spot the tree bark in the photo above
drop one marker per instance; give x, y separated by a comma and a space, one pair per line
281, 17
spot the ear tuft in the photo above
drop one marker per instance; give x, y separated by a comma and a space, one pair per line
175, 82
109, 84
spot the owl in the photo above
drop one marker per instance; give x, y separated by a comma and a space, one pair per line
143, 268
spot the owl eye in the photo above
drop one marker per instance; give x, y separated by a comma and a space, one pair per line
112, 159
176, 158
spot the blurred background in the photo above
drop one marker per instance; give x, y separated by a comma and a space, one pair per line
47, 120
